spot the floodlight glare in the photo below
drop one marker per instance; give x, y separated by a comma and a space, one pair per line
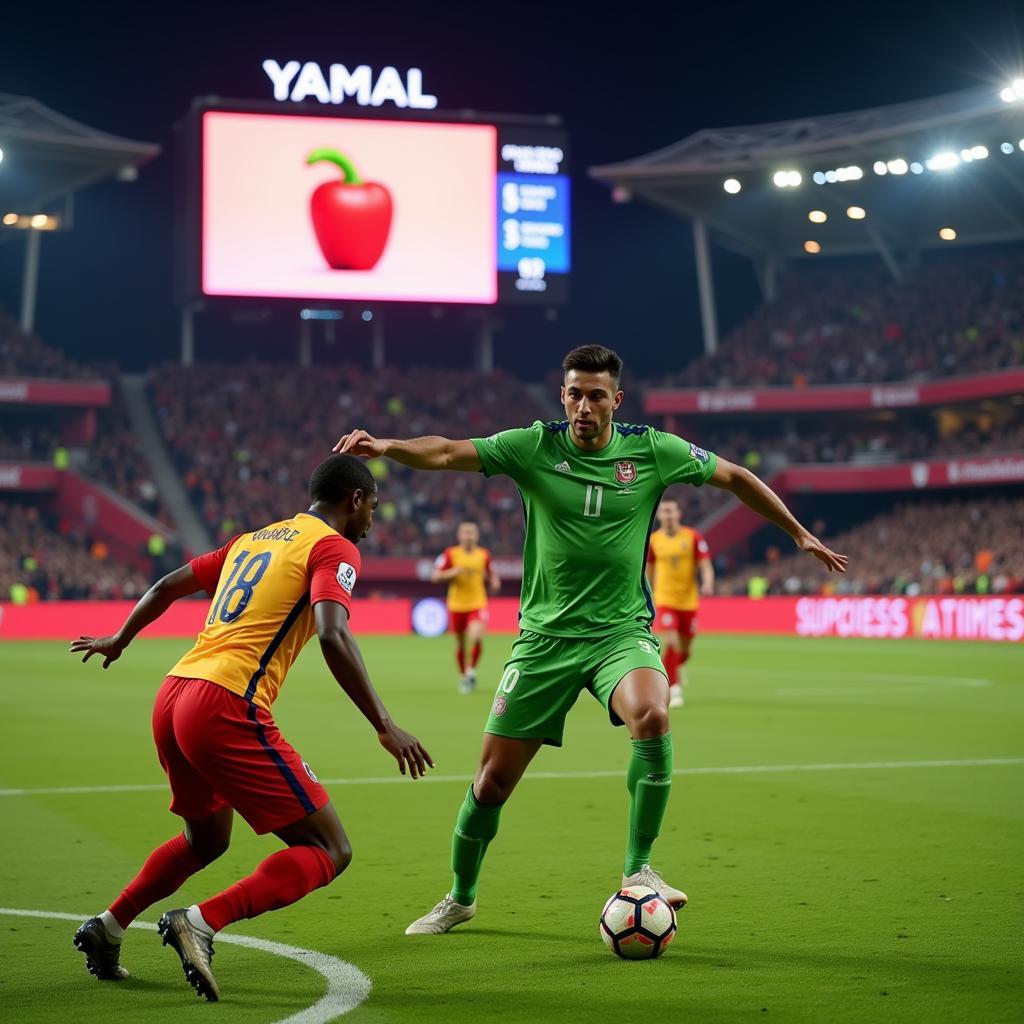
1017, 85
898, 166
979, 152
880, 167
856, 212
10, 219
817, 216
1, 156
942, 161
819, 178
731, 185
1006, 147
854, 173
812, 247
831, 177
1021, 144
916, 168
40, 220
1007, 95
947, 234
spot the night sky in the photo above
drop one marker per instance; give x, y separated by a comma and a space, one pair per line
626, 83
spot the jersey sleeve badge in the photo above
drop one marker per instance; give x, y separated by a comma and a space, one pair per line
698, 453
346, 576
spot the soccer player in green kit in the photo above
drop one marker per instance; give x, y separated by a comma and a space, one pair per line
590, 488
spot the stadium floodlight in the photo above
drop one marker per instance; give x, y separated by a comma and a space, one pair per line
942, 161
1021, 144
787, 179
10, 219
1017, 85
947, 234
1006, 147
818, 177
916, 168
1, 156
854, 173
732, 186
831, 177
817, 216
880, 167
1007, 95
856, 212
979, 152
367, 315
812, 247
897, 166
40, 220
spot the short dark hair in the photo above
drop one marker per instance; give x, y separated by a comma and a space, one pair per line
337, 477
594, 359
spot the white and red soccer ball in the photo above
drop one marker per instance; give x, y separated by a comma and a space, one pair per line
637, 924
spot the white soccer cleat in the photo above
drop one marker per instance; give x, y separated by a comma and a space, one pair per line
443, 918
468, 684
649, 877
675, 696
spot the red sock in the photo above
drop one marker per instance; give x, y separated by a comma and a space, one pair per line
279, 881
474, 656
165, 870
684, 656
460, 655
670, 659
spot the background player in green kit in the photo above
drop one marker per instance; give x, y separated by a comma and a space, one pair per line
590, 488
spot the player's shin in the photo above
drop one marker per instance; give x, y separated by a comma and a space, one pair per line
164, 872
649, 780
474, 655
670, 658
475, 827
279, 881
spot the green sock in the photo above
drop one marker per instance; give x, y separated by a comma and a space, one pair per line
475, 827
649, 780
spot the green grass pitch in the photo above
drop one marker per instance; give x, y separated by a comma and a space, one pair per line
846, 885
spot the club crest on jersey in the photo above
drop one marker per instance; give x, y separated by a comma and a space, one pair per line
625, 472
500, 707
346, 576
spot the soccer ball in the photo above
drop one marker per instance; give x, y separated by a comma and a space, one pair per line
637, 924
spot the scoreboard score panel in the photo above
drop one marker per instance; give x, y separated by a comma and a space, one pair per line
466, 212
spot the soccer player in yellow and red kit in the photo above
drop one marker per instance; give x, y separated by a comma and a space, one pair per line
676, 555
469, 572
215, 737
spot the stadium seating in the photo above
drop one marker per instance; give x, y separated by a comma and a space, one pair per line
24, 355
949, 546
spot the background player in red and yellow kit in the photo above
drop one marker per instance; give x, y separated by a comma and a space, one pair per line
217, 742
469, 573
675, 556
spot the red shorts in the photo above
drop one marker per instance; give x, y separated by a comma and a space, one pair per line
684, 623
218, 750
458, 622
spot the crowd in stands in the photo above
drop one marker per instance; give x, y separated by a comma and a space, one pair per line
246, 438
41, 559
953, 314
24, 355
952, 546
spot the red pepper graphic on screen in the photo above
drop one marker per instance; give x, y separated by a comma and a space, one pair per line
351, 217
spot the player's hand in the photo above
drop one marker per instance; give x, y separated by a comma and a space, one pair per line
406, 750
359, 442
829, 558
707, 589
108, 647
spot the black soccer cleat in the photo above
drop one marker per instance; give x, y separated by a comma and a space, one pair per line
195, 949
102, 957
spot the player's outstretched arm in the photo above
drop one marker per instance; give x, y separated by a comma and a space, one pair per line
180, 583
756, 494
418, 453
345, 661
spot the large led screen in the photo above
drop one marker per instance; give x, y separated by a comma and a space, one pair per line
344, 208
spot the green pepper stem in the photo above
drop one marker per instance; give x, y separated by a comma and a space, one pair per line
349, 174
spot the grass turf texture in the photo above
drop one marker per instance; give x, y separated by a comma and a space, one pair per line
844, 895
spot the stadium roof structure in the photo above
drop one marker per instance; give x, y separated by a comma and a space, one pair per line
45, 158
48, 156
886, 180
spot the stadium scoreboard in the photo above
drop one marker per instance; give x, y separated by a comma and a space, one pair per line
395, 207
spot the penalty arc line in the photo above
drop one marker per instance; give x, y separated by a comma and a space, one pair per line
347, 986
742, 769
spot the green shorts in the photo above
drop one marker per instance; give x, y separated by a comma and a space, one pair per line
544, 675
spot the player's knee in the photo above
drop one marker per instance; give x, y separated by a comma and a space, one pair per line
209, 847
650, 721
341, 854
493, 786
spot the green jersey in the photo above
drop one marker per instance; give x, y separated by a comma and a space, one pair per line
588, 520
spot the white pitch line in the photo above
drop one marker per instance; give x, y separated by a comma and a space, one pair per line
742, 769
347, 986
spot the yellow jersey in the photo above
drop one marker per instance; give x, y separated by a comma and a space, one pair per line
467, 592
264, 585
674, 560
